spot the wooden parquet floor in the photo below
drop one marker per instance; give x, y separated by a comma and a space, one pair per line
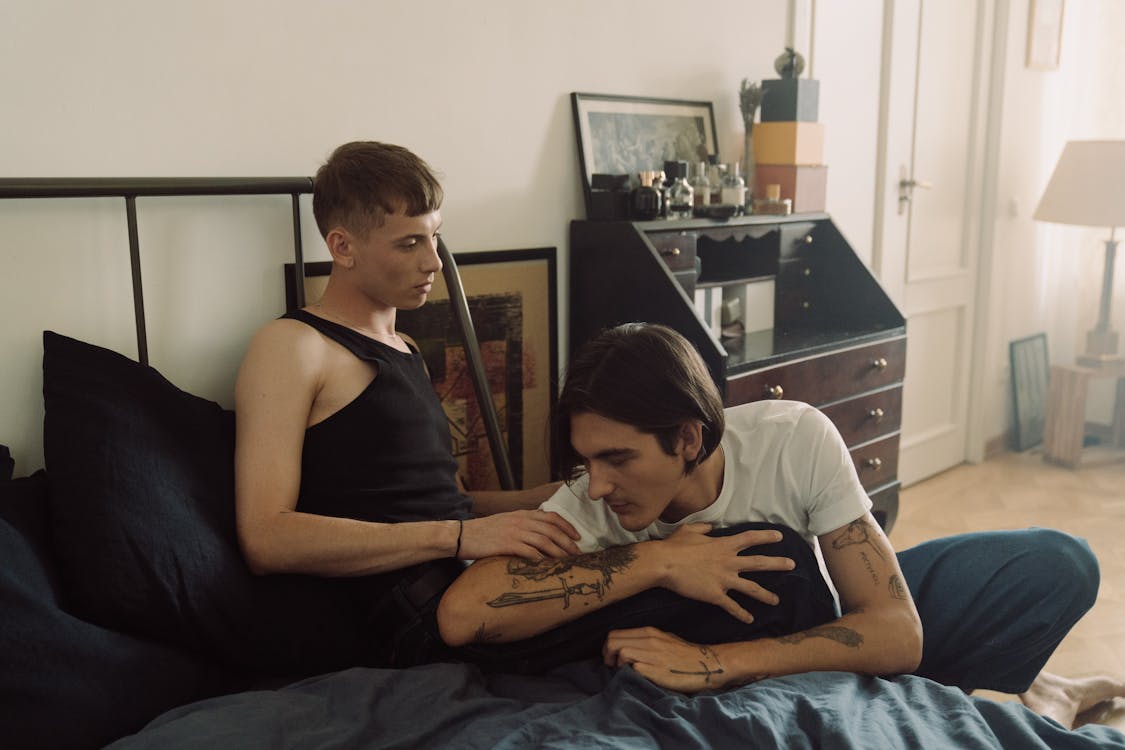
1018, 490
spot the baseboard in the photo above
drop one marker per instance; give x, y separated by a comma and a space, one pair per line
997, 445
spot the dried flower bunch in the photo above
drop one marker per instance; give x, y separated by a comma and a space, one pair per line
749, 98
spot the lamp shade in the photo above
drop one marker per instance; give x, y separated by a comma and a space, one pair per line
1087, 187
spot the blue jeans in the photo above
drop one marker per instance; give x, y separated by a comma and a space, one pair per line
996, 604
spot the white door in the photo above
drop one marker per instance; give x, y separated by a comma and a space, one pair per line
932, 112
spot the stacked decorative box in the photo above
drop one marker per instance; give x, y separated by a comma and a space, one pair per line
789, 144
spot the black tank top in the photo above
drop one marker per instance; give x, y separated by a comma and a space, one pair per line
386, 455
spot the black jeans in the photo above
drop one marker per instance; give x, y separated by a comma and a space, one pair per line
805, 602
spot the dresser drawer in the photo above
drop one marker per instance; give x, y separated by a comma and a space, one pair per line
824, 379
676, 249
867, 417
876, 462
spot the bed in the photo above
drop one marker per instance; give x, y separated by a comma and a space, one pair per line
130, 620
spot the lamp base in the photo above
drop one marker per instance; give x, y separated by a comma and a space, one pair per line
1101, 350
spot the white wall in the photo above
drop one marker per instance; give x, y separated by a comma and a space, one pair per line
219, 88
1047, 277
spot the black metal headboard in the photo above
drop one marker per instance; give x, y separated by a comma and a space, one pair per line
132, 188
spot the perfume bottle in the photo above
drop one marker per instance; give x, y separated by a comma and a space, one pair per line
678, 194
717, 173
773, 202
701, 186
734, 187
645, 201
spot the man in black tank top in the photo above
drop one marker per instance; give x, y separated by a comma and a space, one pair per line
343, 459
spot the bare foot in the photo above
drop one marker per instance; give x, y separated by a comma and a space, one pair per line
1062, 699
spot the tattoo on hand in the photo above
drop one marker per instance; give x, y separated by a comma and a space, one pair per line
838, 633
898, 588
704, 671
857, 532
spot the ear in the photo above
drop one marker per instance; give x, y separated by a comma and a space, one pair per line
339, 242
691, 439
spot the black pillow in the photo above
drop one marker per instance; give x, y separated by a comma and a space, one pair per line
65, 683
141, 486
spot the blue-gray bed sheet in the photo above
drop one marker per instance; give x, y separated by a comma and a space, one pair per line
586, 705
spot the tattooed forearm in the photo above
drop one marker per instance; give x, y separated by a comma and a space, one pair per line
838, 633
870, 568
563, 591
607, 562
482, 636
898, 588
856, 532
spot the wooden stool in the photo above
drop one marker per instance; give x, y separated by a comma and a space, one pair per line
1065, 425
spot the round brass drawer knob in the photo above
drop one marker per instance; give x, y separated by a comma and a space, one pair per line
775, 391
880, 363
874, 463
808, 239
673, 252
877, 414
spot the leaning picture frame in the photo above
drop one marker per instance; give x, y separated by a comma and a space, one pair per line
512, 301
1030, 372
624, 135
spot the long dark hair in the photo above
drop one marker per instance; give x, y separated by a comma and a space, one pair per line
640, 374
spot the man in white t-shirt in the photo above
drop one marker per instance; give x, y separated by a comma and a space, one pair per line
670, 493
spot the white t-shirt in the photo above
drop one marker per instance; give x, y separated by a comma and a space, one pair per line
785, 464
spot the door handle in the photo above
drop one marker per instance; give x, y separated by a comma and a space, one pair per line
906, 185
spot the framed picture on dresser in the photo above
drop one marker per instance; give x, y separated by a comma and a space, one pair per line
624, 135
512, 301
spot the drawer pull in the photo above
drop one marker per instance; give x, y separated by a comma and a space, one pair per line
808, 272
775, 391
877, 414
672, 252
873, 463
808, 239
879, 364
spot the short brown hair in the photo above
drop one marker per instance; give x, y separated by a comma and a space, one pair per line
640, 374
363, 181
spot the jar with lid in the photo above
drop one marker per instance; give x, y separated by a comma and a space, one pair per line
645, 200
773, 203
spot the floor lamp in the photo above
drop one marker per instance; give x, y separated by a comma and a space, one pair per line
1088, 189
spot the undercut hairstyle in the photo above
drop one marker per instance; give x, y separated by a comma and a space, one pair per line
363, 181
644, 375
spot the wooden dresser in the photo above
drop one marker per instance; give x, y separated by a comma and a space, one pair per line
816, 326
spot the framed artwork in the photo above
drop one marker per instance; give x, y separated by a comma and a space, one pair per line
629, 134
512, 301
1044, 34
1030, 371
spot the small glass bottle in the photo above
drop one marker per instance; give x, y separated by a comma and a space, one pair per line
678, 194
734, 188
718, 172
773, 202
701, 186
645, 200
